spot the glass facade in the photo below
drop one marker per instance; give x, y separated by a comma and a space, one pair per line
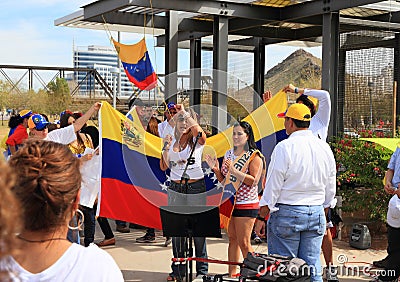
103, 59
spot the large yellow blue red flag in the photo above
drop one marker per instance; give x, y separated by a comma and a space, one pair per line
137, 65
133, 187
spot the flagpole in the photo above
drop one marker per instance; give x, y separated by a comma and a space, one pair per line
119, 68
114, 73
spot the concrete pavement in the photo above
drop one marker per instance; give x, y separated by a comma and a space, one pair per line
151, 262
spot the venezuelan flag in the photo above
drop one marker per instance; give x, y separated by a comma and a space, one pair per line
133, 187
137, 64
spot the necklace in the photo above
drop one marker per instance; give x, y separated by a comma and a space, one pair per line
40, 241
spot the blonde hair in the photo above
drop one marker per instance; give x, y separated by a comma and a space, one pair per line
47, 183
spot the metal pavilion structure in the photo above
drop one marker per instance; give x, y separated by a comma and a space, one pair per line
247, 25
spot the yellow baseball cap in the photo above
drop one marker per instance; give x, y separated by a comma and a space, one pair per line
25, 113
297, 111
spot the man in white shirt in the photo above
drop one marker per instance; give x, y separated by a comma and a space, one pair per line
300, 184
391, 263
168, 125
319, 127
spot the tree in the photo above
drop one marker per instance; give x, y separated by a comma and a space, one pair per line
59, 95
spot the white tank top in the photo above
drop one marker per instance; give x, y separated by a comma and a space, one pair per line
177, 162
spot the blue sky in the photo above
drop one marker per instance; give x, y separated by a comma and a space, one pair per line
29, 36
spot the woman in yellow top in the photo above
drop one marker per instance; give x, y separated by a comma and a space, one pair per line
82, 141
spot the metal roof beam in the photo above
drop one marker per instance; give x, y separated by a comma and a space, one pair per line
318, 7
250, 41
281, 33
238, 23
160, 22
388, 17
101, 7
115, 17
267, 32
210, 7
182, 36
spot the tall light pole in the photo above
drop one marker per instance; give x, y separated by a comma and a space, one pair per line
114, 72
370, 85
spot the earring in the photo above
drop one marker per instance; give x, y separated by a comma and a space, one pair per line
78, 224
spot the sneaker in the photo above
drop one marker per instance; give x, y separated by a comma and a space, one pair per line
168, 241
380, 263
146, 239
257, 239
331, 274
123, 229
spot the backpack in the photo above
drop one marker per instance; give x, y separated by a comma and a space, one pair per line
274, 268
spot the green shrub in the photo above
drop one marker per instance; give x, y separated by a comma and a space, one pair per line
361, 168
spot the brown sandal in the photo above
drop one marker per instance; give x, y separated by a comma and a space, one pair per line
171, 278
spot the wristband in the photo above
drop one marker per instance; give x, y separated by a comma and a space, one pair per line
296, 90
259, 217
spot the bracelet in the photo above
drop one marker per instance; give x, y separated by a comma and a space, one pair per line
296, 90
259, 217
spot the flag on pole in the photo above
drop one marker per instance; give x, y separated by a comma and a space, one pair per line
137, 65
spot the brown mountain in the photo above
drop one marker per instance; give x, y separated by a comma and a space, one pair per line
300, 68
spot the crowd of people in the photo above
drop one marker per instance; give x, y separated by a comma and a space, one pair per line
288, 202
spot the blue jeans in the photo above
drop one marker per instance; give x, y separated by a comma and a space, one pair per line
73, 235
297, 231
192, 195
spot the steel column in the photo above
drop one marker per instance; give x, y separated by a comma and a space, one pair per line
30, 79
330, 59
259, 70
171, 57
195, 72
220, 76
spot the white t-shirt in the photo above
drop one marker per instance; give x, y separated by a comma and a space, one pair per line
320, 121
76, 264
393, 213
302, 171
91, 178
177, 162
63, 135
165, 128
